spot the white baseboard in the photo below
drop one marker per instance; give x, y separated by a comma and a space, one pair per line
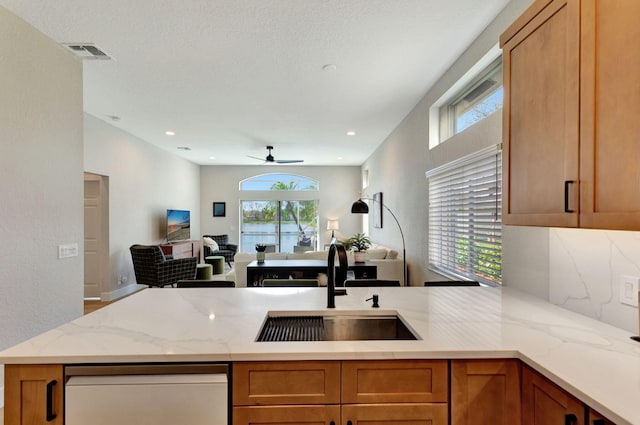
121, 292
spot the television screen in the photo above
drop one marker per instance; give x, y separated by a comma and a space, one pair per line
178, 225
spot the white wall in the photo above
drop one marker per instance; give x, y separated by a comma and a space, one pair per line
144, 181
338, 190
576, 268
397, 168
42, 182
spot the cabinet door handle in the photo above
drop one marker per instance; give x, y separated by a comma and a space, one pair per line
570, 419
49, 413
567, 183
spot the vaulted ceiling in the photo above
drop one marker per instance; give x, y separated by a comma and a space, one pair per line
230, 77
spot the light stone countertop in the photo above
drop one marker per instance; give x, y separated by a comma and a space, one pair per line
596, 362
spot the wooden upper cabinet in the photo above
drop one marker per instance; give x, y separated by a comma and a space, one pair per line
571, 133
34, 395
544, 403
540, 115
485, 392
610, 114
596, 418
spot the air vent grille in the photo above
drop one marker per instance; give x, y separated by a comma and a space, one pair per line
87, 51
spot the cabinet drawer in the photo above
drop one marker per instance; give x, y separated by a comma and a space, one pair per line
393, 414
398, 381
280, 415
270, 383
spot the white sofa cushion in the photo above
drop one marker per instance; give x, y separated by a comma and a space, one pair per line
377, 254
309, 255
392, 254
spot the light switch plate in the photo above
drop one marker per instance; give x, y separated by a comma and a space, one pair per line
67, 250
629, 290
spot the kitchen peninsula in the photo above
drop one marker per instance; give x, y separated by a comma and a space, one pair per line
594, 362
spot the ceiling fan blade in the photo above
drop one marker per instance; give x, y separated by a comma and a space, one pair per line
255, 157
288, 161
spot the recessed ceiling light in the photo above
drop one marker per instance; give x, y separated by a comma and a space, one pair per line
339, 158
212, 157
329, 67
351, 133
169, 133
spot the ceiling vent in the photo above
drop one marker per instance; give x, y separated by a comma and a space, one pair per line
87, 51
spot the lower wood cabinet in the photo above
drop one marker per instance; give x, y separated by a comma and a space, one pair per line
485, 392
395, 381
393, 414
286, 383
544, 403
281, 415
34, 395
410, 392
335, 392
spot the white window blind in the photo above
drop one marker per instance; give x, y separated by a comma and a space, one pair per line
465, 210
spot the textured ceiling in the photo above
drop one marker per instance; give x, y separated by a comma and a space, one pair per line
232, 76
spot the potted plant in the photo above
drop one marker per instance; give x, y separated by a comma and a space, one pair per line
260, 248
359, 243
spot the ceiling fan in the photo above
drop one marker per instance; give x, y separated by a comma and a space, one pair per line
271, 160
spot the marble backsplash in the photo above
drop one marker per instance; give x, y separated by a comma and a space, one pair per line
585, 268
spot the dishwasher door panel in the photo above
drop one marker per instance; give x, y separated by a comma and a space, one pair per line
185, 399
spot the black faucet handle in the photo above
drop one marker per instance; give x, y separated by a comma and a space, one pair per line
375, 301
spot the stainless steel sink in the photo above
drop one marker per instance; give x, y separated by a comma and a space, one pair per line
343, 326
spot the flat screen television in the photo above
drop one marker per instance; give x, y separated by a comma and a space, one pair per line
178, 225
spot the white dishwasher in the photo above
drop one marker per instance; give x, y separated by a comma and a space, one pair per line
147, 394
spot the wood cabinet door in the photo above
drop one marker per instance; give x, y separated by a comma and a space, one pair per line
544, 403
282, 383
281, 415
485, 392
596, 418
610, 128
394, 381
394, 414
34, 395
540, 116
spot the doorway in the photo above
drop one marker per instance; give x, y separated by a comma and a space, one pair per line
96, 235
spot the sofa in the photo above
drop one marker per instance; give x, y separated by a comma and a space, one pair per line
388, 265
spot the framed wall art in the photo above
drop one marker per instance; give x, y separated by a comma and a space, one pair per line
219, 209
377, 210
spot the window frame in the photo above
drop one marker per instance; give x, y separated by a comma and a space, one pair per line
463, 220
447, 114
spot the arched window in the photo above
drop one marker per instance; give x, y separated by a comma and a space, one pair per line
284, 217
274, 181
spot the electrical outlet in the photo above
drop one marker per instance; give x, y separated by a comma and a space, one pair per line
67, 250
629, 290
